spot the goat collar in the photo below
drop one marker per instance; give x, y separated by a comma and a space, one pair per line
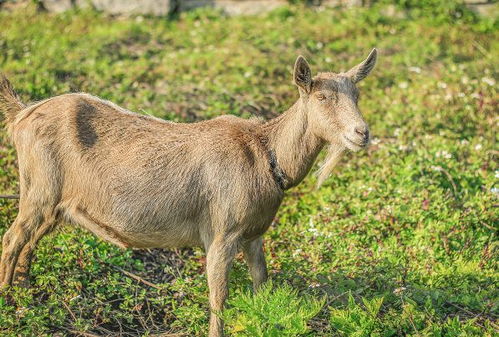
278, 174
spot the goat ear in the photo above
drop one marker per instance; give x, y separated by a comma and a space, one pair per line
302, 75
360, 71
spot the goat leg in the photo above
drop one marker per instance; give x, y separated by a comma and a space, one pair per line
221, 253
254, 256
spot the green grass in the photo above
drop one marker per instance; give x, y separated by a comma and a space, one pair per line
400, 241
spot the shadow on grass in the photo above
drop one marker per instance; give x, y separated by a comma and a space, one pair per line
462, 295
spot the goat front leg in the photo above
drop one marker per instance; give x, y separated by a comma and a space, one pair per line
221, 253
254, 256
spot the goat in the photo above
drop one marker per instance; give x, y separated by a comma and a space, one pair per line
139, 181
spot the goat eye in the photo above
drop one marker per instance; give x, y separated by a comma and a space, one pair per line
321, 97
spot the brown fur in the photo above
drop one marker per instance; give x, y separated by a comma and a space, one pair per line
139, 181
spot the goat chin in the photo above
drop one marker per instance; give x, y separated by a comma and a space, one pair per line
333, 156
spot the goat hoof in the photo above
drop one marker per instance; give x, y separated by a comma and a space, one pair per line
22, 282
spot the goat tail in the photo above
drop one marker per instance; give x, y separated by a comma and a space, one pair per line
10, 102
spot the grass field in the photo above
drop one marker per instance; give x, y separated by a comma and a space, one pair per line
400, 241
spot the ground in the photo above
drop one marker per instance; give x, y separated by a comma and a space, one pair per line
400, 241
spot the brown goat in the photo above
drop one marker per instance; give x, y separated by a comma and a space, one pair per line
138, 181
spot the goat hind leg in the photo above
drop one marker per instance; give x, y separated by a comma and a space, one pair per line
40, 193
22, 232
21, 273
13, 241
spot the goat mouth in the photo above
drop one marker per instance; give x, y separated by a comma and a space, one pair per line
354, 145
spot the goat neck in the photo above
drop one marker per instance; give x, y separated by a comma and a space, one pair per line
293, 142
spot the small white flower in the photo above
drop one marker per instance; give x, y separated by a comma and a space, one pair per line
328, 60
478, 147
461, 94
495, 191
416, 70
314, 285
400, 290
464, 141
403, 85
248, 74
497, 174
444, 154
396, 132
475, 95
375, 141
442, 85
21, 311
319, 45
489, 81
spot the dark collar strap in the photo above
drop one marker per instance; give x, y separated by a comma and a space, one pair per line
277, 172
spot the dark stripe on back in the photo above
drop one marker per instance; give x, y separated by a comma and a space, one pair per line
85, 114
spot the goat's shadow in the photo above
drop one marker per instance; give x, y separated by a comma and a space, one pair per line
392, 282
